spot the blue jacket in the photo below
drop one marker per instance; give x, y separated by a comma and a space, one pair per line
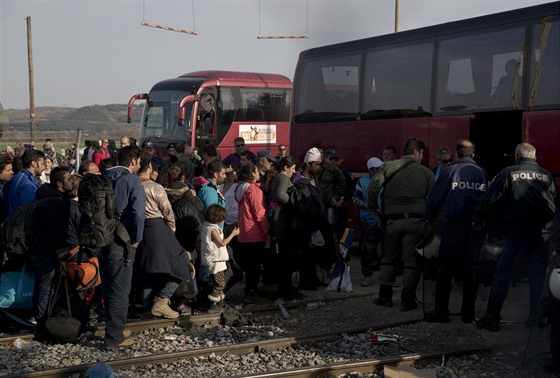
456, 192
360, 196
20, 190
130, 201
210, 195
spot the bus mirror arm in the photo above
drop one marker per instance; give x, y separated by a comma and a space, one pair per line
139, 96
184, 101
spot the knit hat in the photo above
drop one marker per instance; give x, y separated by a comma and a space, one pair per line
312, 155
374, 163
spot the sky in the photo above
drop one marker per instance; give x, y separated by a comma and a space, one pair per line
96, 52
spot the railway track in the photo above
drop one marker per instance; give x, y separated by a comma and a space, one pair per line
272, 345
194, 320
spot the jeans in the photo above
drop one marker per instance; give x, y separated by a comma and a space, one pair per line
158, 281
522, 240
116, 272
369, 240
44, 267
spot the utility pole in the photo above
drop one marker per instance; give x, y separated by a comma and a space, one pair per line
31, 83
397, 14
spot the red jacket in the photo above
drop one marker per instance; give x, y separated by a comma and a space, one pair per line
252, 220
98, 156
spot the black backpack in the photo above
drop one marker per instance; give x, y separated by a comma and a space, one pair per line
98, 226
17, 230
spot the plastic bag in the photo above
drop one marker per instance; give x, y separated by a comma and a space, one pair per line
342, 282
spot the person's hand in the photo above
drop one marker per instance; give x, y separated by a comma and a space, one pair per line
235, 231
477, 226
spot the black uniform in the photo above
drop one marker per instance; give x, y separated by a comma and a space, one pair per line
526, 191
455, 195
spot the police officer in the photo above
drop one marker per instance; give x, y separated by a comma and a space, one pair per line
527, 193
405, 184
456, 193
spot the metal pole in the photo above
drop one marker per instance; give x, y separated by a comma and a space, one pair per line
77, 156
31, 82
397, 15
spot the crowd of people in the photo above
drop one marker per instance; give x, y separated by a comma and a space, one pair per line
204, 219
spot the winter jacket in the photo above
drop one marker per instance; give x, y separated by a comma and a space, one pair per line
50, 220
99, 155
209, 194
188, 215
332, 182
407, 190
525, 190
130, 201
457, 192
251, 219
20, 190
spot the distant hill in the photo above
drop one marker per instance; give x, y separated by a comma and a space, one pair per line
95, 121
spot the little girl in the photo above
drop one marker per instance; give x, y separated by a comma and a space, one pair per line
214, 251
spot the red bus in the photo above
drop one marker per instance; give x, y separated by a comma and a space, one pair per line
493, 79
215, 107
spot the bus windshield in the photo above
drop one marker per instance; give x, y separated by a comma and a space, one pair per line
161, 119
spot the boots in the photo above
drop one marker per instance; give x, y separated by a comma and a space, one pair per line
161, 308
216, 303
408, 300
385, 296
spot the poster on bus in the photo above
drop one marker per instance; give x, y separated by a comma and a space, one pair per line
258, 134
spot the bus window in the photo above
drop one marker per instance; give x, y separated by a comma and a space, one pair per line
471, 67
397, 78
545, 55
331, 90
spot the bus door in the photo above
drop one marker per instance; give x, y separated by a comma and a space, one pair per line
206, 121
495, 136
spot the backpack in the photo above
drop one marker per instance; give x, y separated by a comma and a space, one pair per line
97, 202
17, 230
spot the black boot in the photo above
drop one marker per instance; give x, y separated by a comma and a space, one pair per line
437, 316
385, 296
408, 300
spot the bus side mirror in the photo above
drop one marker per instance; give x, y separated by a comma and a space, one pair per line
139, 96
184, 101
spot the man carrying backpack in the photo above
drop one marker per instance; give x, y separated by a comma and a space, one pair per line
118, 258
50, 228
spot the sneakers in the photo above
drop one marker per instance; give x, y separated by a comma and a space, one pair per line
385, 302
161, 308
123, 344
489, 323
101, 333
367, 281
436, 316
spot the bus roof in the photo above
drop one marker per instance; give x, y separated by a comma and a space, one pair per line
512, 16
233, 77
